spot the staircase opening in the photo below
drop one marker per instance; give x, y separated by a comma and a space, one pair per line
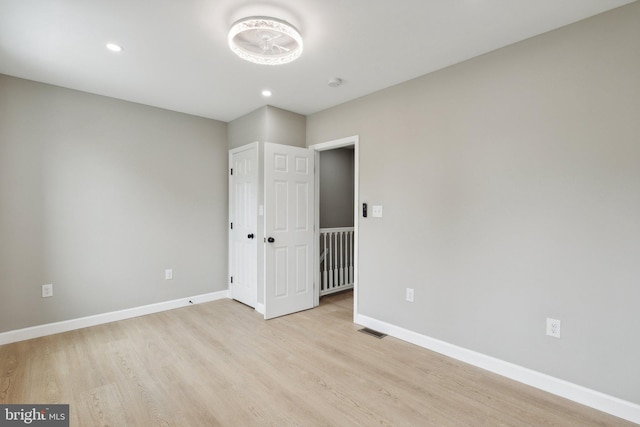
337, 236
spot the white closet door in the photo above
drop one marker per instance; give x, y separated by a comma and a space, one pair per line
243, 214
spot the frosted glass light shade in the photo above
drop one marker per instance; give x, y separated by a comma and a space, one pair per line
264, 40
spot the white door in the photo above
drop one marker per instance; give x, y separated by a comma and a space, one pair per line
243, 217
289, 234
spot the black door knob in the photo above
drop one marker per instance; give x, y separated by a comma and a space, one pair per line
271, 240
250, 236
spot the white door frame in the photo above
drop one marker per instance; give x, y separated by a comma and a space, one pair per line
350, 141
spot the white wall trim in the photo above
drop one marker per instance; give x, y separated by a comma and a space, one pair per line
336, 143
585, 396
99, 319
259, 308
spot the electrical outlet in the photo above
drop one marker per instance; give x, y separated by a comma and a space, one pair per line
553, 328
410, 294
168, 274
47, 291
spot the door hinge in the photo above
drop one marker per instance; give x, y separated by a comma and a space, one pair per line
231, 279
231, 171
232, 226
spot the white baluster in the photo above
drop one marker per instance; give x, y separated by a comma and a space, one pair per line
337, 259
324, 263
350, 258
337, 234
353, 258
331, 262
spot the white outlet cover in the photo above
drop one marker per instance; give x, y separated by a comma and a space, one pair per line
410, 294
168, 274
553, 327
376, 211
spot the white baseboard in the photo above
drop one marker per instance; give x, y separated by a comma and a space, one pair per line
260, 308
99, 319
594, 399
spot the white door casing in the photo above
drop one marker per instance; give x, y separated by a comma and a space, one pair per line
350, 141
243, 217
289, 229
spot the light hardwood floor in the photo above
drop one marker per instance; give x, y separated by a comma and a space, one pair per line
221, 364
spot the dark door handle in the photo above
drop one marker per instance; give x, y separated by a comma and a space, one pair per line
271, 240
250, 236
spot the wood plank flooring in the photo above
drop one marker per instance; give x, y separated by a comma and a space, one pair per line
221, 364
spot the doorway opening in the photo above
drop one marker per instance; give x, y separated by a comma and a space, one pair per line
337, 220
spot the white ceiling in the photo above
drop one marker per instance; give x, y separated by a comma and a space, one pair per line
176, 54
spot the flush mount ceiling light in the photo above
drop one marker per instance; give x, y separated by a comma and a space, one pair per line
264, 40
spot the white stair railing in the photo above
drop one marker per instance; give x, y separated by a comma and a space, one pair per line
336, 259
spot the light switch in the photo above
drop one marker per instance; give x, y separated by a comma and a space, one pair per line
376, 211
47, 291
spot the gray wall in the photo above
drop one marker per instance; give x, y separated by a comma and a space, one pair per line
268, 124
336, 188
99, 196
285, 127
510, 186
249, 128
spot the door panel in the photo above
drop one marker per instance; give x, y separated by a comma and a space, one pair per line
289, 196
243, 214
281, 200
302, 269
281, 267
302, 207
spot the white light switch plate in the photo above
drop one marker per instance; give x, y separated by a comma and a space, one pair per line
47, 291
168, 274
376, 211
